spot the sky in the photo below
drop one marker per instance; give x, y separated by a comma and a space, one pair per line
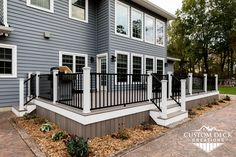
169, 5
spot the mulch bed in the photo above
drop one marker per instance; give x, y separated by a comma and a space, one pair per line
102, 146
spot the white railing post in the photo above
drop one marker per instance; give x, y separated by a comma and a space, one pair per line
86, 94
29, 86
190, 83
149, 85
164, 98
37, 84
216, 83
5, 13
205, 83
55, 85
169, 83
21, 94
183, 95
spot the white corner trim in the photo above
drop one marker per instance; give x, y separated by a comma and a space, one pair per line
139, 12
74, 58
117, 2
145, 65
160, 58
136, 55
145, 35
164, 33
86, 9
90, 119
14, 61
51, 10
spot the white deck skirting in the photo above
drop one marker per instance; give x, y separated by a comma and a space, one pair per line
103, 116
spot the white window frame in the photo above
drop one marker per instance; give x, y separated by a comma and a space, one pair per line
128, 66
99, 56
14, 61
145, 64
51, 10
164, 33
151, 17
135, 10
125, 5
61, 53
160, 58
86, 12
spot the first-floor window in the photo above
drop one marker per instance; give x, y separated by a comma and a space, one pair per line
41, 4
7, 61
149, 64
122, 67
75, 62
160, 64
137, 68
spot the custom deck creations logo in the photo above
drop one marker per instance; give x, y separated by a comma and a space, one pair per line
207, 138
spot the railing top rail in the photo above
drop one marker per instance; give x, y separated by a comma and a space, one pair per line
32, 76
156, 78
118, 74
70, 74
173, 76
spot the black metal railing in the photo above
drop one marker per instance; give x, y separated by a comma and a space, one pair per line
198, 84
46, 86
109, 90
29, 89
176, 90
70, 89
211, 83
157, 89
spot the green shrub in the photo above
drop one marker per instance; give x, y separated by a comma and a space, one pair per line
46, 127
58, 136
29, 116
209, 105
221, 101
122, 134
146, 127
77, 146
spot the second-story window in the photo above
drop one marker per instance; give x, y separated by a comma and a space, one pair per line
79, 10
46, 5
160, 26
137, 24
150, 29
122, 19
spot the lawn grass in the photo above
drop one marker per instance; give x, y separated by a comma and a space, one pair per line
227, 90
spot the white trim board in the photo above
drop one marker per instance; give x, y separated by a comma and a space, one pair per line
200, 96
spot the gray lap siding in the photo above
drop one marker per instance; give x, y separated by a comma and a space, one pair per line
34, 53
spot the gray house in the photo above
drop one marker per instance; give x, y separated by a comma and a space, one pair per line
124, 39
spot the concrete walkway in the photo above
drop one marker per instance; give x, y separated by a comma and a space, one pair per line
174, 144
11, 144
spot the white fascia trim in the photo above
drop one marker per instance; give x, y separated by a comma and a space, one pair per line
200, 96
150, 17
164, 33
125, 5
86, 9
160, 58
136, 55
102, 55
90, 119
150, 57
51, 10
140, 12
14, 61
128, 66
74, 58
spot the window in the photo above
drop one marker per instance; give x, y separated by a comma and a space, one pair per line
46, 5
137, 67
78, 9
8, 65
122, 66
160, 66
149, 29
137, 24
74, 61
160, 37
122, 19
149, 64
